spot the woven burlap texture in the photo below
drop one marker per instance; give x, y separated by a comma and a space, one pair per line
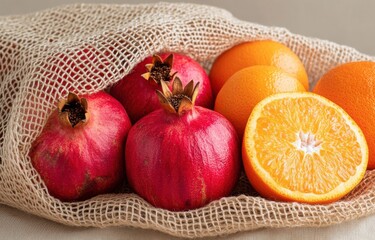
86, 48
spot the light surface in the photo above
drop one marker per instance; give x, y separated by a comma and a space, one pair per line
345, 22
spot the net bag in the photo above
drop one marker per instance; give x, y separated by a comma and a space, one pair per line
87, 48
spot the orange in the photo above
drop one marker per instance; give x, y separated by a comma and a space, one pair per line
352, 87
303, 147
247, 87
262, 52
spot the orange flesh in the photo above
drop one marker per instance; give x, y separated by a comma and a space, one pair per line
297, 152
321, 162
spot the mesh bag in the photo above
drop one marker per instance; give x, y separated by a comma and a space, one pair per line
86, 48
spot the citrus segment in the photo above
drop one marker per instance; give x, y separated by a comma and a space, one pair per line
262, 52
303, 147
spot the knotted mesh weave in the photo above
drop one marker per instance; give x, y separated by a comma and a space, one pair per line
87, 48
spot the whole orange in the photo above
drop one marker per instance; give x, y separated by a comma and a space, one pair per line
352, 87
247, 87
262, 52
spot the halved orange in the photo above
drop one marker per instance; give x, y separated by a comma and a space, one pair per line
303, 147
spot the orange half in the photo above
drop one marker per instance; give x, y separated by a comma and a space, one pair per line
303, 147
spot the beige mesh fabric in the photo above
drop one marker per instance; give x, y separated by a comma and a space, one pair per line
86, 48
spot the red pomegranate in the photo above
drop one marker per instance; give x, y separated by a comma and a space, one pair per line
183, 156
79, 153
136, 91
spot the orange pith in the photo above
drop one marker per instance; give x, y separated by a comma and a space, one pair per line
303, 147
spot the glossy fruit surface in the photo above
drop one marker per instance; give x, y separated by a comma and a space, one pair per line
247, 87
262, 52
351, 86
303, 147
182, 157
79, 153
137, 94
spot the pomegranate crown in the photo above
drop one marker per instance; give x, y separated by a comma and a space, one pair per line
73, 111
159, 70
180, 99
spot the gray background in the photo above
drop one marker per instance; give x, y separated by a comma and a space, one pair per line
348, 22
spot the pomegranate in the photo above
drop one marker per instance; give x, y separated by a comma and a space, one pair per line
80, 151
182, 156
138, 95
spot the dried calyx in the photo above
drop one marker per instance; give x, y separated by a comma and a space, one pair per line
159, 70
180, 99
73, 111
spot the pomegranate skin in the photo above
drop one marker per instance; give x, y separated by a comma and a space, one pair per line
81, 162
182, 162
137, 94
